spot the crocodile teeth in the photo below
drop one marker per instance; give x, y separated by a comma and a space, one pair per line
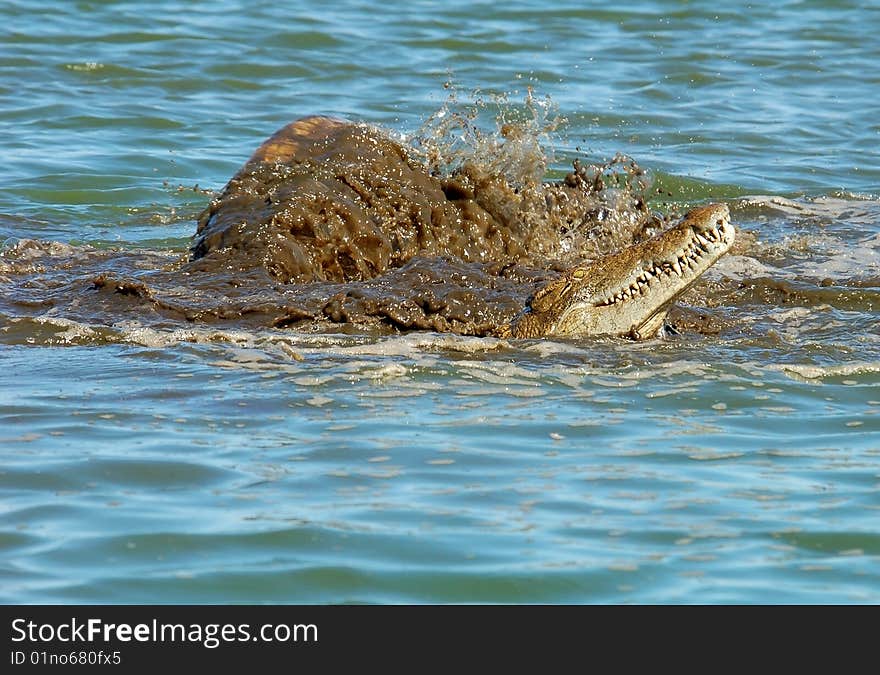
688, 261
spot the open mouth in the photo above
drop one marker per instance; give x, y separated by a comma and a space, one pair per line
695, 257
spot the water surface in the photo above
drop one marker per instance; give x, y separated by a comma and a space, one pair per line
144, 462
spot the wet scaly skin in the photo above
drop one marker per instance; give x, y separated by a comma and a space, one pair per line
629, 292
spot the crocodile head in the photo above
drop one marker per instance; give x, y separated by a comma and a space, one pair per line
629, 293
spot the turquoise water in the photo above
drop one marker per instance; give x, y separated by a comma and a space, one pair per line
203, 464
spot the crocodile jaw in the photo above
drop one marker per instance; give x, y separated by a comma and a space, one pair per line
628, 293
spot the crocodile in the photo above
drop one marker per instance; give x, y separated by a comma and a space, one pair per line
328, 201
629, 292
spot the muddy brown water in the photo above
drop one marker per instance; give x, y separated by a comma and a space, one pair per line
338, 227
335, 225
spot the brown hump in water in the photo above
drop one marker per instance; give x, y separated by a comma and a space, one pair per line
297, 141
326, 199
